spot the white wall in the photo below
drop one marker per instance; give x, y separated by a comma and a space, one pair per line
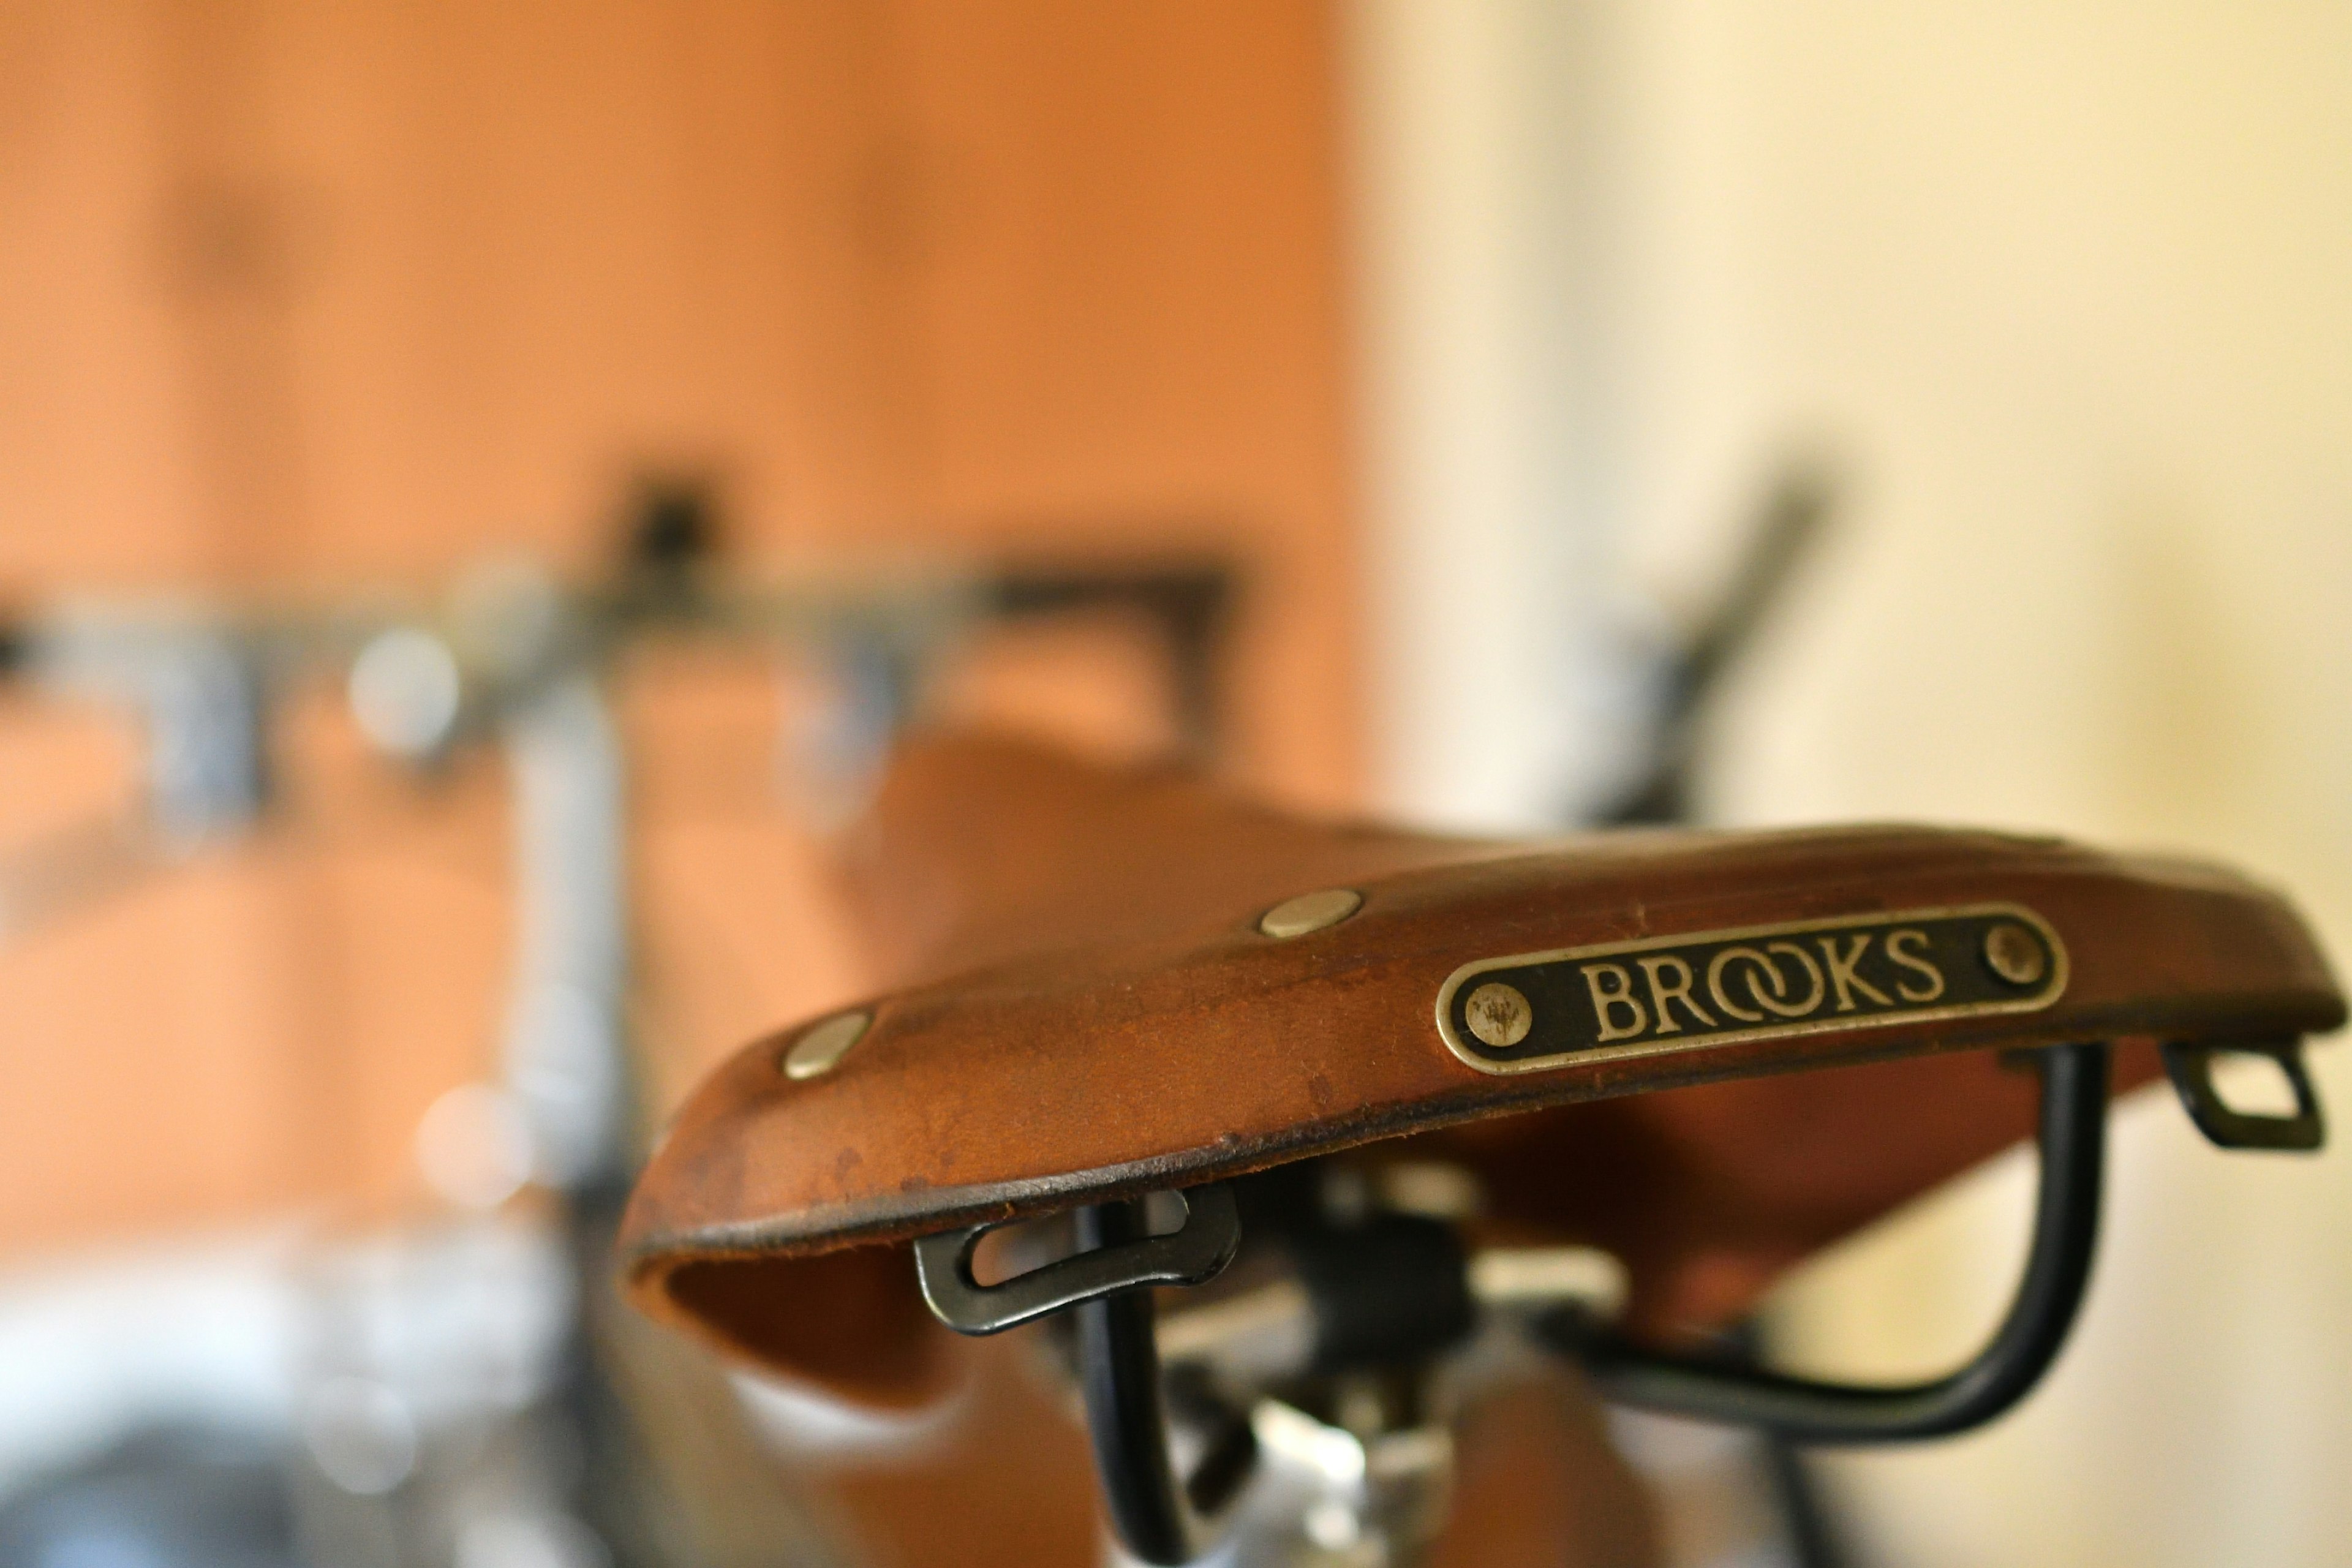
2066, 287
1473, 393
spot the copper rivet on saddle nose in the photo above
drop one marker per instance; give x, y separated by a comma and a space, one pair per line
1499, 1013
825, 1043
2012, 952
1310, 911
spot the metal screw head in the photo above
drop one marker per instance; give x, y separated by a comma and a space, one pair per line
1499, 1013
2012, 952
822, 1045
1310, 911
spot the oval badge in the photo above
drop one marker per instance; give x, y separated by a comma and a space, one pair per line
1530, 1011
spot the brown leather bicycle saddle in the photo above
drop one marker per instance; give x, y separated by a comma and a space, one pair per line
1116, 982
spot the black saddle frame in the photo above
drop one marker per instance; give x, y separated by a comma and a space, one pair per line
1164, 1518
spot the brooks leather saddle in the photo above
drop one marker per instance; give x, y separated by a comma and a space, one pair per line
1384, 1089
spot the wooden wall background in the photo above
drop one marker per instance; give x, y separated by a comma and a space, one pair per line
333, 294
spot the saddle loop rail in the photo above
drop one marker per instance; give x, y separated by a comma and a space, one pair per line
2073, 1143
1160, 1518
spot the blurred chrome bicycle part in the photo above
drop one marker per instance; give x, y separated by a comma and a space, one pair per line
413, 1444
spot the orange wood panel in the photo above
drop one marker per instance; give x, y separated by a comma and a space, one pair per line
1198, 385
336, 294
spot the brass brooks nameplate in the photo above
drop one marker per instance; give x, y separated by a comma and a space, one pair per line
1537, 1010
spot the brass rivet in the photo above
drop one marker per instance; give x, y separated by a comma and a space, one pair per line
1310, 911
821, 1046
2012, 952
1499, 1013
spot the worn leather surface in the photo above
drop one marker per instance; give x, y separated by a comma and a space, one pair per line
1089, 1008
